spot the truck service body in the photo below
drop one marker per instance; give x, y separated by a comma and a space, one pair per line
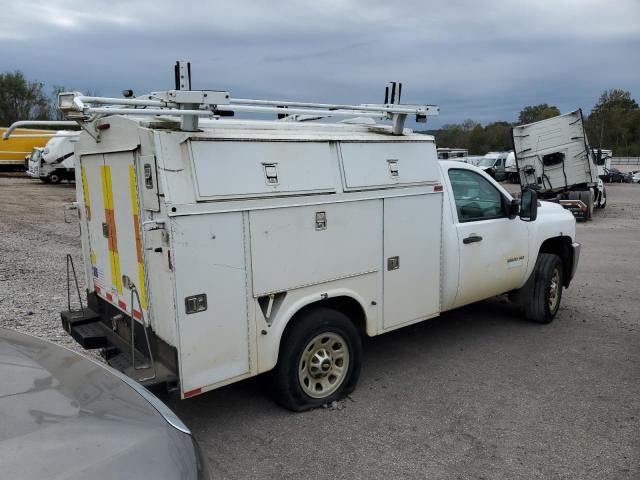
221, 250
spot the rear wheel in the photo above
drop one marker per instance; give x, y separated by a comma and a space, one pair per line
547, 289
55, 178
319, 361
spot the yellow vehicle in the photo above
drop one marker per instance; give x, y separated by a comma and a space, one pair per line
14, 150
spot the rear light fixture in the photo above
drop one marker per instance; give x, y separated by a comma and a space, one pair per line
438, 187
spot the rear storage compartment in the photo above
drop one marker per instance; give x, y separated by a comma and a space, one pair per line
117, 282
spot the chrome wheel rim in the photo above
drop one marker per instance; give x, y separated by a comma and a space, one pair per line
554, 290
323, 365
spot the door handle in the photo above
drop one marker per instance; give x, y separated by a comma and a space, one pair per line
472, 239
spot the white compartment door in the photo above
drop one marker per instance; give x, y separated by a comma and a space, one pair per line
209, 259
289, 249
412, 227
91, 168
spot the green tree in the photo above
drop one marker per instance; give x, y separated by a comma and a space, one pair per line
615, 99
535, 113
21, 99
614, 123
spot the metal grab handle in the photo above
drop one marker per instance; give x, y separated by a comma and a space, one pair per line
75, 279
472, 239
134, 290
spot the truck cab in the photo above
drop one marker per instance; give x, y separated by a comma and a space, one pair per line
482, 217
54, 162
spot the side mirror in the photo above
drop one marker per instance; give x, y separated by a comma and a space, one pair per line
599, 158
529, 205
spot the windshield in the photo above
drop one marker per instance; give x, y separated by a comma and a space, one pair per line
35, 155
487, 162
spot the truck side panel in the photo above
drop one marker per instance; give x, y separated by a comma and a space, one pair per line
91, 168
209, 259
249, 169
411, 262
297, 246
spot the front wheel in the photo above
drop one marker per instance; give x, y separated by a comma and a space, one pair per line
547, 289
319, 361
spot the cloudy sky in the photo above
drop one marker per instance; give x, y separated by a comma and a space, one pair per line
483, 60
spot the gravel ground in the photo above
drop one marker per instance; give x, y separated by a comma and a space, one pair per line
34, 242
476, 393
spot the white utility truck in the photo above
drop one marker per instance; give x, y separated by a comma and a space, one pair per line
554, 158
493, 163
55, 162
217, 249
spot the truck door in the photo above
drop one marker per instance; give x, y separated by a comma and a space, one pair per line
493, 249
109, 184
411, 258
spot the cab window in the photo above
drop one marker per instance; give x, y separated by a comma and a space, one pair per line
476, 198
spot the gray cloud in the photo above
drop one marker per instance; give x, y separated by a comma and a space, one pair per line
481, 60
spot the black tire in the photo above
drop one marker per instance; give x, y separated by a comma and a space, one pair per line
45, 179
55, 178
539, 308
288, 374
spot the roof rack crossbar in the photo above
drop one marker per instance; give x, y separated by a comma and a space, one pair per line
378, 109
38, 123
189, 105
85, 104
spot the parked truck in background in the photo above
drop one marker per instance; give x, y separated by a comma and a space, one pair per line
511, 168
602, 158
218, 249
459, 154
55, 161
554, 158
14, 151
494, 164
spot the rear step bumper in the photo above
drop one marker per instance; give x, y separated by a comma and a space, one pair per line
90, 332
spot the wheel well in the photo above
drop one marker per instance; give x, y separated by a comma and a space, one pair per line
347, 305
561, 246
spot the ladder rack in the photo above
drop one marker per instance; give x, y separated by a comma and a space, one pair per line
193, 104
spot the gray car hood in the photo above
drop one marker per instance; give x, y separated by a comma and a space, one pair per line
65, 416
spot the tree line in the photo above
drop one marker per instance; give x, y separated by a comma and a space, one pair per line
613, 123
